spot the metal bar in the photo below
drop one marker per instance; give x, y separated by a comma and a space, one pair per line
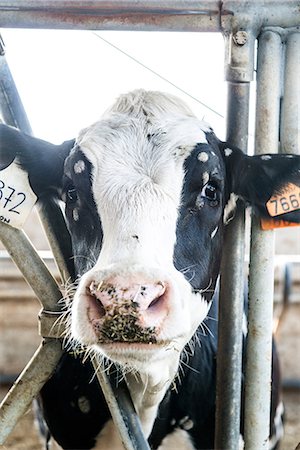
14, 114
111, 7
171, 15
58, 236
126, 15
290, 126
32, 266
9, 97
20, 396
261, 271
229, 356
125, 418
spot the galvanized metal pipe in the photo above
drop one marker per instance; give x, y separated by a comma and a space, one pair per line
261, 271
122, 410
170, 15
32, 266
125, 15
9, 96
59, 239
19, 398
290, 126
229, 358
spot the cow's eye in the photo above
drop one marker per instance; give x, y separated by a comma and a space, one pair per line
72, 195
211, 193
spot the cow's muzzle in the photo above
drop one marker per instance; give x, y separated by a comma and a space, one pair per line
124, 310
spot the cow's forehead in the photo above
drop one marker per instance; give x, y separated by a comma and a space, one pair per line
143, 126
131, 139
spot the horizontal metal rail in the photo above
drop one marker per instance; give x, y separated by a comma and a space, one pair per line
154, 15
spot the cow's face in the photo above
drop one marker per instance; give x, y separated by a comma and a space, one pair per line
147, 190
144, 193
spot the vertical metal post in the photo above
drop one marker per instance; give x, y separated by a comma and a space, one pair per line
261, 272
290, 126
229, 358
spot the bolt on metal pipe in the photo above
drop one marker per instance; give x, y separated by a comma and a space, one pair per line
261, 271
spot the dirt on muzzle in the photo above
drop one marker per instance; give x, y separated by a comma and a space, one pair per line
121, 324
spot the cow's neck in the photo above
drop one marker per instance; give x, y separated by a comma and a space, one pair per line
148, 389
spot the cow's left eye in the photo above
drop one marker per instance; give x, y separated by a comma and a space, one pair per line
210, 192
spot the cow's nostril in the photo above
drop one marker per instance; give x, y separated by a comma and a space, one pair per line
100, 307
156, 301
95, 303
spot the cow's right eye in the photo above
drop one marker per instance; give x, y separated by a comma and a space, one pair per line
72, 195
211, 194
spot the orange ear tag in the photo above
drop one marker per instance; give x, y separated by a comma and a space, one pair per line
286, 201
272, 224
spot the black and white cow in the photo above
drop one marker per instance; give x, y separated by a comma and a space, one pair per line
147, 192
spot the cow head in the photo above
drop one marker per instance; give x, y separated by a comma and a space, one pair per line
147, 191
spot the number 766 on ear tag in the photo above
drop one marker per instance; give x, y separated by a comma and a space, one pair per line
286, 201
16, 196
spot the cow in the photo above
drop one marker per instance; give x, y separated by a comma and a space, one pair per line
147, 193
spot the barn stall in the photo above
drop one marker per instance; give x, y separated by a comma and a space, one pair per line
241, 25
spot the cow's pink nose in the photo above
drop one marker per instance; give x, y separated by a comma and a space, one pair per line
147, 301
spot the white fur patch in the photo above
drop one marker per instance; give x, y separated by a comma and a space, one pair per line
228, 151
241, 443
178, 440
53, 445
278, 422
245, 325
186, 423
214, 232
203, 157
108, 438
230, 208
79, 166
205, 178
84, 404
265, 157
75, 214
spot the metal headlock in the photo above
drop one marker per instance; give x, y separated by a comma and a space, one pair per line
276, 25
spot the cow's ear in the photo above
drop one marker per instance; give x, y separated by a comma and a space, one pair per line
270, 183
43, 161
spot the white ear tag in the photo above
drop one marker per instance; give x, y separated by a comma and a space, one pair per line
16, 196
